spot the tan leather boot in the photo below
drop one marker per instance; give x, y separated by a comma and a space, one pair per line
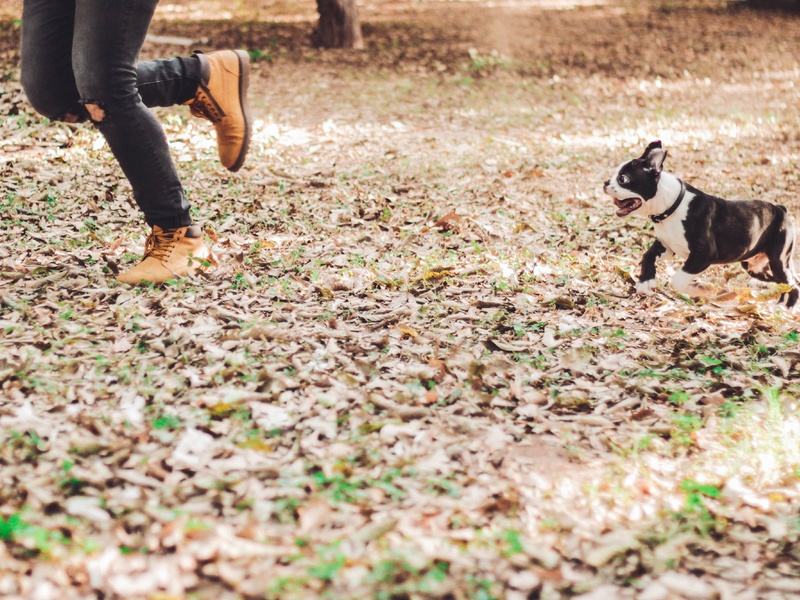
169, 253
222, 99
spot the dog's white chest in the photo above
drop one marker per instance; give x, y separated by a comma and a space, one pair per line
671, 232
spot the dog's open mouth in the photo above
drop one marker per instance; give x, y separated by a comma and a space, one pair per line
627, 205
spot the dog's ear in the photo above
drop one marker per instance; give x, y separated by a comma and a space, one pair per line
654, 155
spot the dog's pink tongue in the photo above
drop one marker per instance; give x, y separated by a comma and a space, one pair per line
626, 205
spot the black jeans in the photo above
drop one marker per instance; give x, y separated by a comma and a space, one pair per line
79, 61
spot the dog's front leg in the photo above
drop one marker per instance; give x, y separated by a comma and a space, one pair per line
683, 280
647, 276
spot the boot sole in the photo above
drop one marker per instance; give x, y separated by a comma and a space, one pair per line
244, 84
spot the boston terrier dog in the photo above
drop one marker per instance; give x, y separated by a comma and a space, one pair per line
703, 229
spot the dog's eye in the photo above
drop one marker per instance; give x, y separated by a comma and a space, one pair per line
623, 180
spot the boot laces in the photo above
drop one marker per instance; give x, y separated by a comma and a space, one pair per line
159, 245
204, 106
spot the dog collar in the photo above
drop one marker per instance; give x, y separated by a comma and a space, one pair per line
671, 209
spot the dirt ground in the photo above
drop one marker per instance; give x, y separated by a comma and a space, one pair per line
419, 369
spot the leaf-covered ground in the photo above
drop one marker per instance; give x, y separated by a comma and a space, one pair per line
419, 370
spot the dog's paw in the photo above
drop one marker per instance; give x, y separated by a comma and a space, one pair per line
699, 290
684, 283
789, 301
647, 286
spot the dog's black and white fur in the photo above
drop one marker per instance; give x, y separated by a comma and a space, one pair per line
703, 229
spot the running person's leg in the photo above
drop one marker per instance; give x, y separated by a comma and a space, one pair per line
46, 63
79, 60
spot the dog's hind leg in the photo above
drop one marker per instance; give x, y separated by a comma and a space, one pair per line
780, 262
758, 267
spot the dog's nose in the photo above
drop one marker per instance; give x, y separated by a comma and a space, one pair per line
606, 183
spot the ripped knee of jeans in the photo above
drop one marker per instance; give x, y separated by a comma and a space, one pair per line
95, 109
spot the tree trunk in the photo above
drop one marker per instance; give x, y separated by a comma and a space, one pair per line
338, 25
